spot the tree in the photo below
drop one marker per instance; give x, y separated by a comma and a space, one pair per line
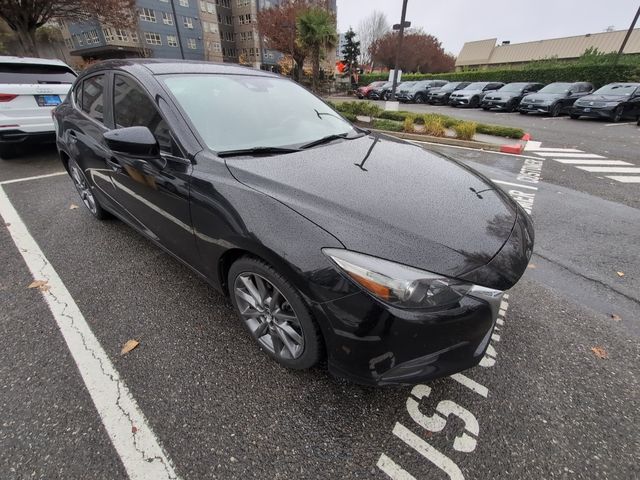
351, 50
316, 33
421, 52
370, 29
25, 17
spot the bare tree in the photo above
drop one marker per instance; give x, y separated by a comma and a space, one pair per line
370, 29
25, 17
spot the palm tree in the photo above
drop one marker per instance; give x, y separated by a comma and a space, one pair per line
316, 33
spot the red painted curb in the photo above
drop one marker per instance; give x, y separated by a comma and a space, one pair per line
515, 149
526, 137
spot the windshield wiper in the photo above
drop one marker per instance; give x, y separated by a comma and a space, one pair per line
330, 138
256, 151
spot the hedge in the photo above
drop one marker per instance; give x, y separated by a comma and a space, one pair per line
599, 75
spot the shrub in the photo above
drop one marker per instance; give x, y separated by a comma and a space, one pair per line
465, 130
433, 125
382, 124
350, 116
499, 131
359, 108
408, 124
392, 115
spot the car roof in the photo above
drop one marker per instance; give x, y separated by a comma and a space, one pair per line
32, 60
162, 66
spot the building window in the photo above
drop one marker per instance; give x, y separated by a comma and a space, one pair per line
77, 38
203, 6
191, 43
122, 35
184, 3
228, 19
188, 22
225, 3
69, 43
108, 34
216, 47
152, 38
167, 18
172, 41
164, 1
134, 36
147, 15
211, 8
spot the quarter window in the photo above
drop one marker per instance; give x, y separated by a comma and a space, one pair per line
92, 97
132, 107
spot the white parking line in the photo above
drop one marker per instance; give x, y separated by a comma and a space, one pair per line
619, 124
611, 169
569, 155
127, 427
471, 384
592, 162
37, 177
501, 182
536, 147
624, 178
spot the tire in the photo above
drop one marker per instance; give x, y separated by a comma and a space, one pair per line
573, 116
419, 98
522, 112
84, 189
269, 324
7, 151
386, 96
474, 102
617, 114
486, 109
554, 111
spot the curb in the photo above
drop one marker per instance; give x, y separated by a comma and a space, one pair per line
441, 140
517, 148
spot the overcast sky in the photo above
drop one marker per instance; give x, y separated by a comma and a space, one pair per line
457, 21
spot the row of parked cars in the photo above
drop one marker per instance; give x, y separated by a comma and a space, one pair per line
614, 101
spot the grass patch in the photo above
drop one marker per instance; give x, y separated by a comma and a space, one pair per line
366, 109
384, 124
408, 125
433, 125
465, 130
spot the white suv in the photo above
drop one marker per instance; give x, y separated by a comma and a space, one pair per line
29, 89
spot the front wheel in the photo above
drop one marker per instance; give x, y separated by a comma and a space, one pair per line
7, 151
474, 103
274, 313
419, 98
617, 114
555, 110
573, 116
523, 112
83, 188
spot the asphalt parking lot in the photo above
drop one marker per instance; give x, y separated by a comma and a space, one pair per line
557, 395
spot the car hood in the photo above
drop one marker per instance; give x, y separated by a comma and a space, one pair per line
603, 98
502, 95
549, 97
466, 93
393, 200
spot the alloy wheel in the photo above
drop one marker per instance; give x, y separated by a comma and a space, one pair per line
419, 98
269, 316
617, 114
83, 188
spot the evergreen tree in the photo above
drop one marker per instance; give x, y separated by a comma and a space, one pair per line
351, 50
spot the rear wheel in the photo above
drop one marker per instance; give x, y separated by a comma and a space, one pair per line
274, 313
84, 190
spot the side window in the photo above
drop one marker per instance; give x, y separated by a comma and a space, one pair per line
77, 95
132, 107
92, 97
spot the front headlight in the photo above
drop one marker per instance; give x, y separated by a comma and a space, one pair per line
611, 104
401, 285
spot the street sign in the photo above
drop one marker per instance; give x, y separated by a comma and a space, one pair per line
396, 26
391, 75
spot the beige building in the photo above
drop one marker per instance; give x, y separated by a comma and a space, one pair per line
486, 53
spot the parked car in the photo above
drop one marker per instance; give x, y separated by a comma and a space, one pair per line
381, 91
472, 94
440, 95
554, 99
419, 91
29, 89
614, 102
321, 256
364, 91
508, 97
402, 89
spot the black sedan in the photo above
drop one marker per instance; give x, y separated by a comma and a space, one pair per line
440, 96
381, 92
508, 97
554, 99
471, 95
298, 219
613, 102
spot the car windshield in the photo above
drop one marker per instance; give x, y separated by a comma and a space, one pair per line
556, 88
376, 84
237, 112
475, 86
19, 73
449, 87
405, 85
513, 87
622, 90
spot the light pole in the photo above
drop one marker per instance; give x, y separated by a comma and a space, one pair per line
175, 20
400, 27
626, 37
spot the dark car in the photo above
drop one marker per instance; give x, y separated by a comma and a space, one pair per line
381, 91
472, 94
614, 102
419, 91
299, 220
364, 91
440, 95
403, 88
554, 99
508, 97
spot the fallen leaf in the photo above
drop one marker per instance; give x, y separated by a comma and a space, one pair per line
532, 265
600, 352
620, 274
73, 206
615, 317
38, 284
130, 345
134, 429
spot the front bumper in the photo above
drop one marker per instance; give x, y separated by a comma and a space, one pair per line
462, 101
404, 97
534, 107
437, 100
495, 104
594, 112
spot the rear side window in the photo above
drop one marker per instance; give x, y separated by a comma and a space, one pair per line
92, 97
132, 107
26, 73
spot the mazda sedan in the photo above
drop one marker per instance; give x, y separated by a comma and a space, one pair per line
385, 259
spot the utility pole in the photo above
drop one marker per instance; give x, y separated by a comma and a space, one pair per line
175, 21
626, 37
400, 27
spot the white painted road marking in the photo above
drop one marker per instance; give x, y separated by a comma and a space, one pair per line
513, 184
140, 452
392, 469
537, 148
624, 178
37, 177
592, 162
611, 169
471, 384
619, 124
568, 155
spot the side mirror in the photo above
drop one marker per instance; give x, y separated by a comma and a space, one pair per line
136, 142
